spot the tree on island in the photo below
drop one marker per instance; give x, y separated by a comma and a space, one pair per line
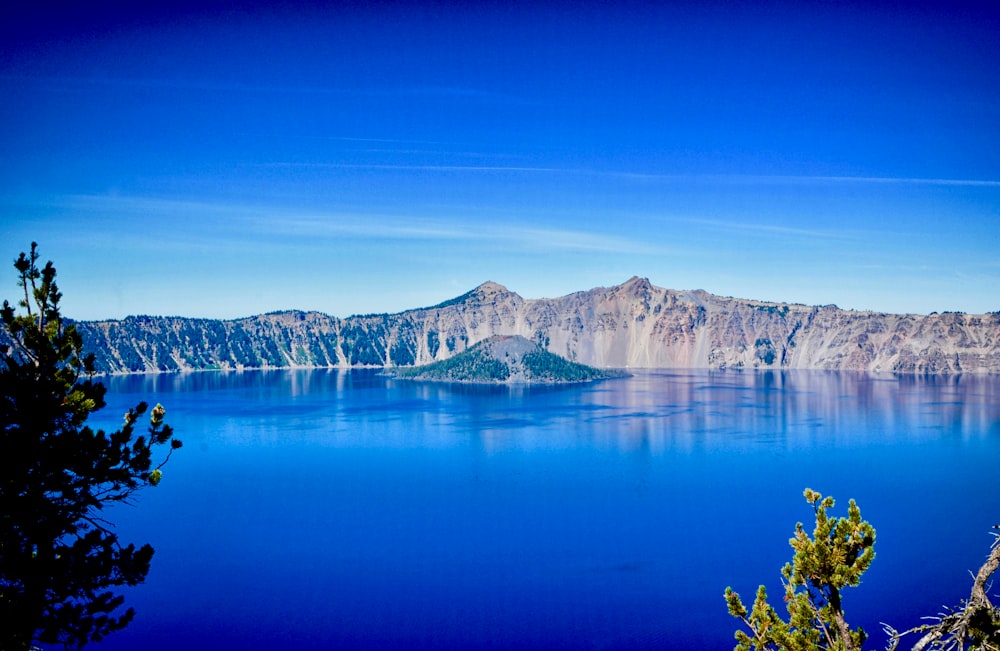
59, 558
839, 552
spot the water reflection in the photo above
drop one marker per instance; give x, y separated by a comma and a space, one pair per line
657, 412
374, 510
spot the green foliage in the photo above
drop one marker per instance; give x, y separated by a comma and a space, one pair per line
780, 310
838, 553
433, 343
362, 347
502, 359
451, 342
458, 300
765, 351
403, 351
544, 365
59, 560
471, 366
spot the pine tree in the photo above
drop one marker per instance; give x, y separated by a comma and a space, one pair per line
836, 556
839, 552
59, 558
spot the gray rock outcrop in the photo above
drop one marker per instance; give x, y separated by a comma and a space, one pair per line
632, 325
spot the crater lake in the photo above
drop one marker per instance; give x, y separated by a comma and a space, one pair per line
344, 509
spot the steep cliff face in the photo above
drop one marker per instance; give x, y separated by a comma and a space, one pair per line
145, 343
635, 324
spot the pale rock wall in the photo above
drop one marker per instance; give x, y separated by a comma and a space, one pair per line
632, 325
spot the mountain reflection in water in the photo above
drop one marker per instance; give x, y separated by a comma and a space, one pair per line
316, 509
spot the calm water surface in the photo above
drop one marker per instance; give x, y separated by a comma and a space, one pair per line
343, 509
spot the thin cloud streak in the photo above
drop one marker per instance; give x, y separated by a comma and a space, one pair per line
385, 227
111, 203
423, 168
721, 178
226, 224
901, 180
786, 178
770, 229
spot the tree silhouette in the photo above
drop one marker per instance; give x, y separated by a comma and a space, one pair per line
59, 558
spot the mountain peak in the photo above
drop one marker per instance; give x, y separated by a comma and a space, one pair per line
636, 283
490, 288
487, 291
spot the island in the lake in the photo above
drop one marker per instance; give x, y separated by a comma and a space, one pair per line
503, 359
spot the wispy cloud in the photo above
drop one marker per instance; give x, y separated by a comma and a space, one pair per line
335, 225
773, 229
891, 180
516, 237
742, 179
420, 167
118, 203
797, 179
207, 224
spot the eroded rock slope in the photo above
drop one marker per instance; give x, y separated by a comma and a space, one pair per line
635, 324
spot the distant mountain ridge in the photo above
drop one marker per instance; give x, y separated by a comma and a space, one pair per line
635, 324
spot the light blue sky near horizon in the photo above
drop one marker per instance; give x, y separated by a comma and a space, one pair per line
218, 162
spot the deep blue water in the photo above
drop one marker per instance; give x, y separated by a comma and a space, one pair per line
343, 509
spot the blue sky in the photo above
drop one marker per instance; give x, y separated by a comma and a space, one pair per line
221, 161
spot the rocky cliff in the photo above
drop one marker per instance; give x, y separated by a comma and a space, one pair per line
635, 324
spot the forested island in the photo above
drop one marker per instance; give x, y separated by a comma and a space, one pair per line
506, 360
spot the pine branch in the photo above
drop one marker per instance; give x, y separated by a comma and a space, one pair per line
955, 628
